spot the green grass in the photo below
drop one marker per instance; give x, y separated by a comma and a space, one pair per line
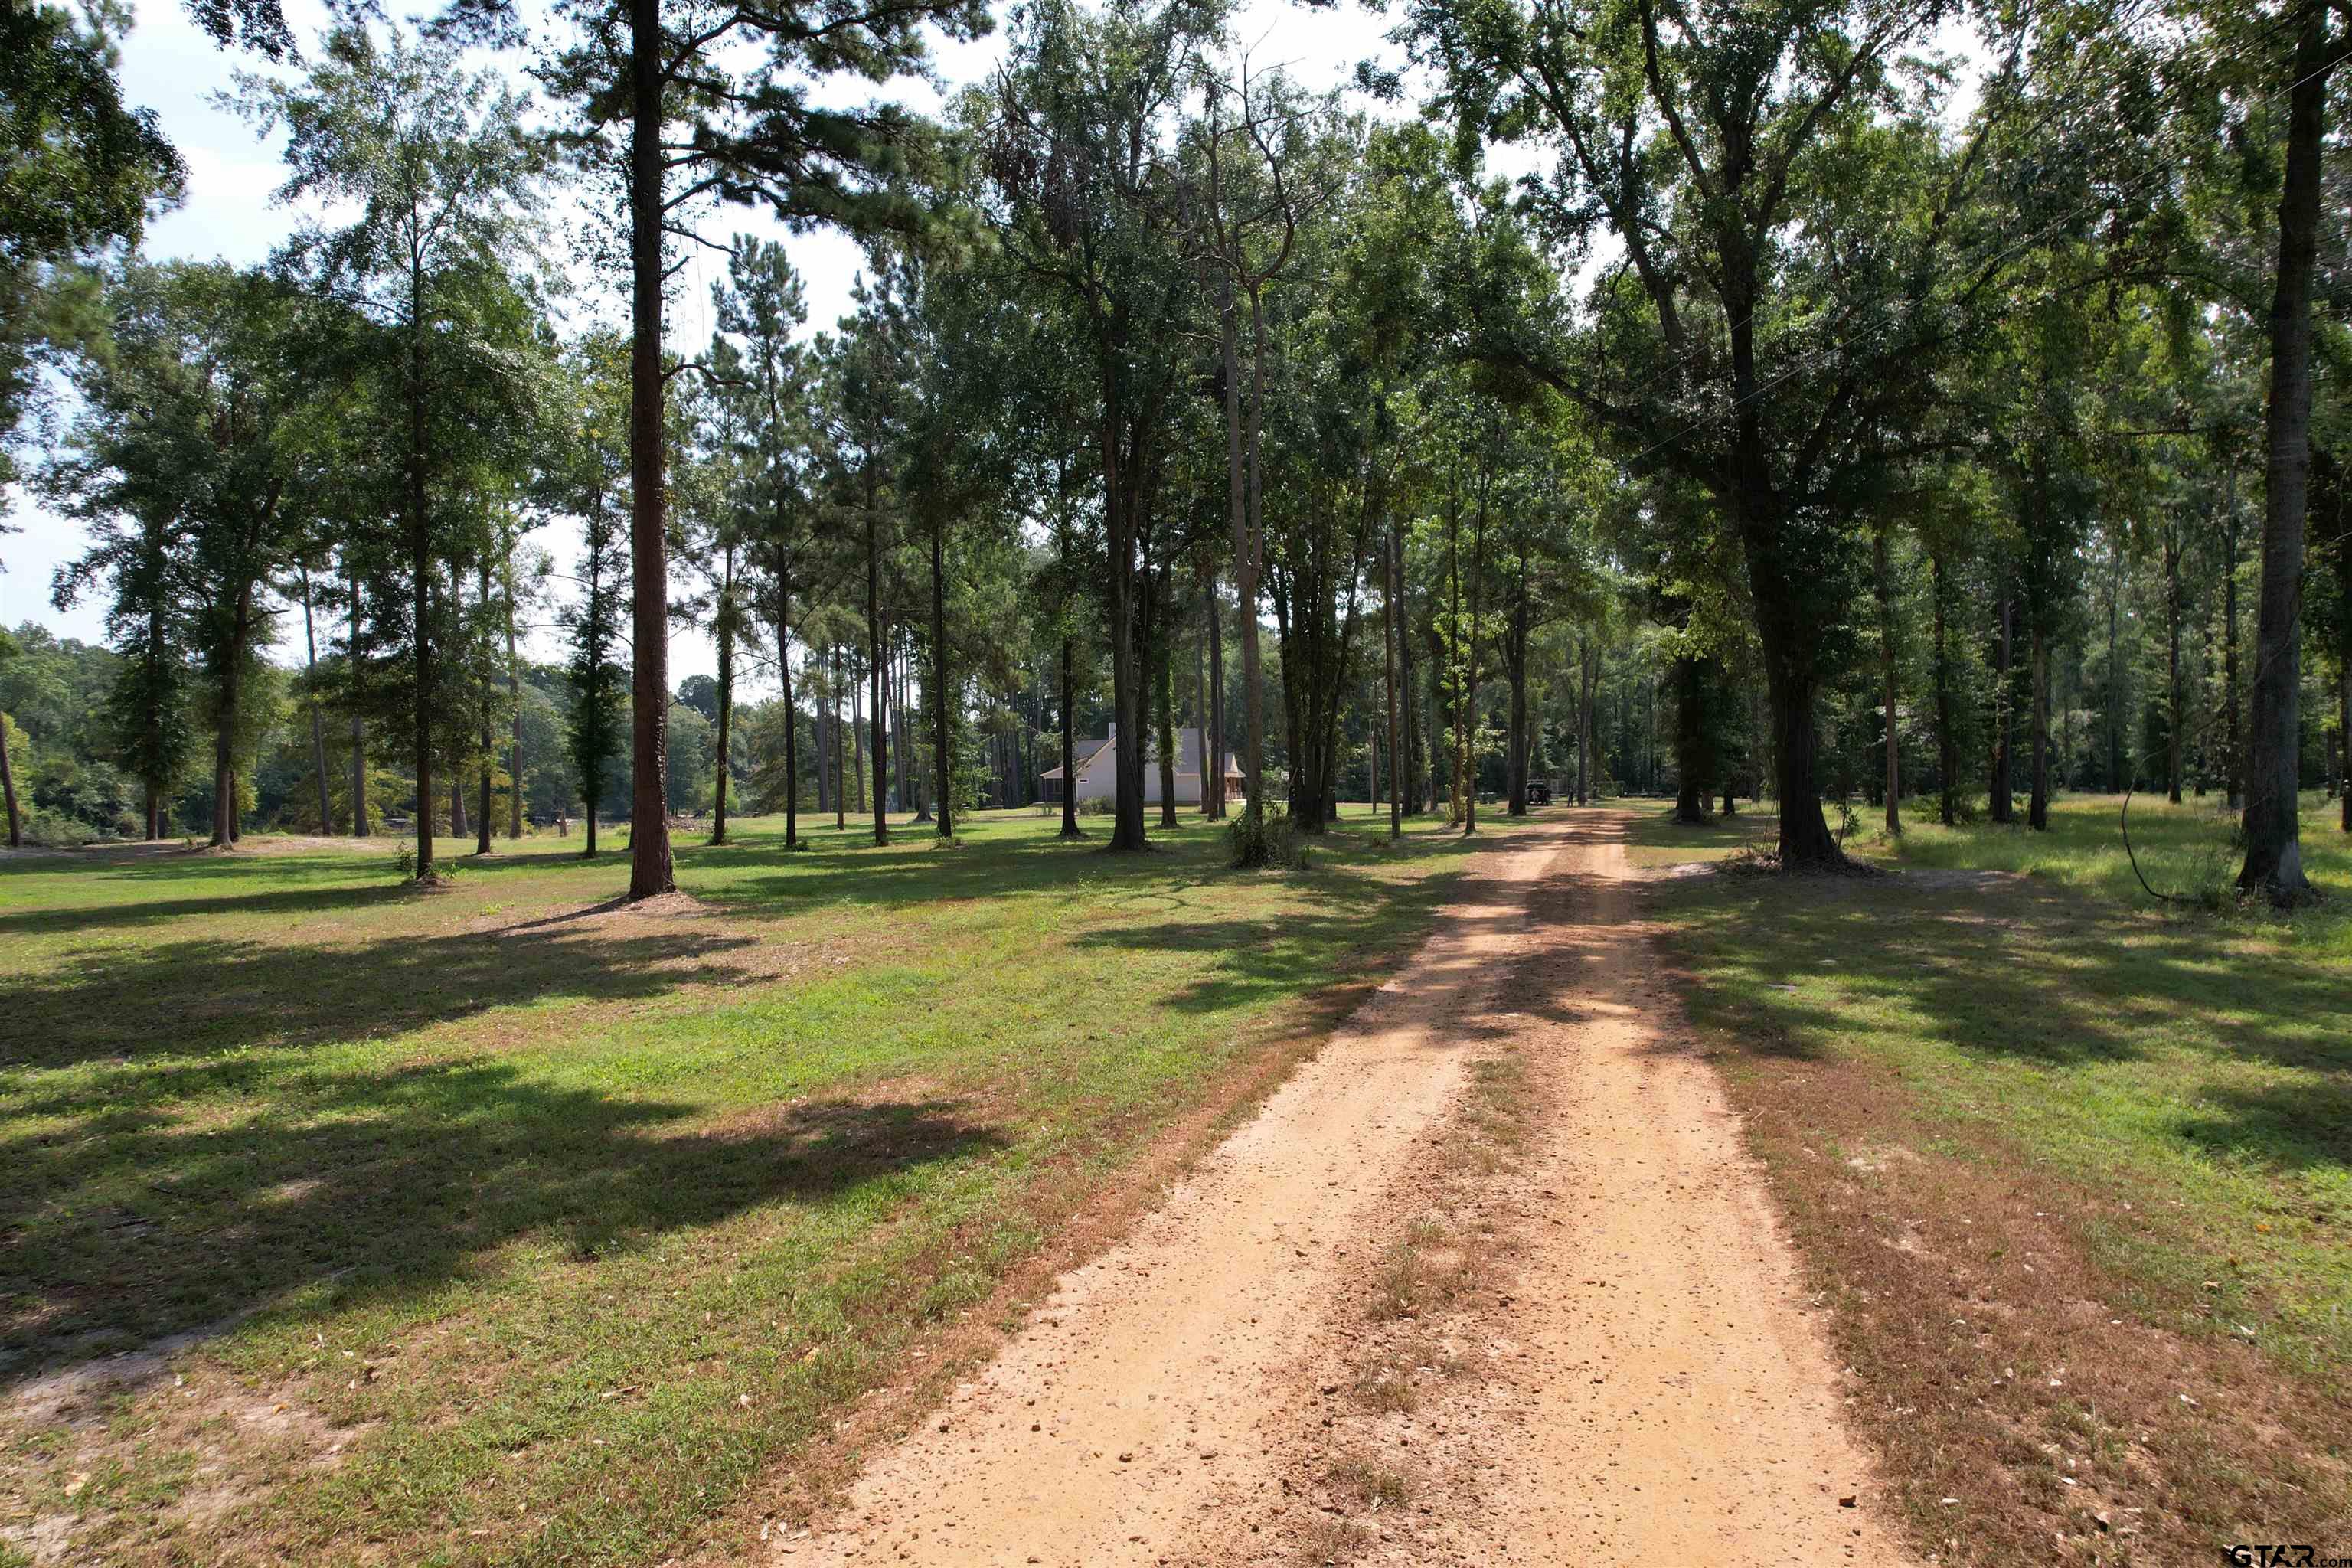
2190, 1069
509, 1236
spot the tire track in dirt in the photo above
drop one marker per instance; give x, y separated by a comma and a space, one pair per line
1645, 1389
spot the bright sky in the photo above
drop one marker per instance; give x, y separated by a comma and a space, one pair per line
171, 67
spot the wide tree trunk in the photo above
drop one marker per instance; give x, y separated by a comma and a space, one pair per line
650, 870
1806, 842
2274, 864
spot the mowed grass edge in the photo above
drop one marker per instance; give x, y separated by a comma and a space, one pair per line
509, 1232
2073, 1169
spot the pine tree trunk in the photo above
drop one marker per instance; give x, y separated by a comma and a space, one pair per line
650, 872
877, 661
2274, 864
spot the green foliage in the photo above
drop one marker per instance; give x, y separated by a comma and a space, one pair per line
1267, 842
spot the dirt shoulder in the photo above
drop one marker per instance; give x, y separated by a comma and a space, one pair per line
1490, 1279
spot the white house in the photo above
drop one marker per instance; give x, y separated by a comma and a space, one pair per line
1096, 764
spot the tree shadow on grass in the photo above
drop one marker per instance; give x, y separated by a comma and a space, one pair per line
371, 1186
2026, 974
199, 997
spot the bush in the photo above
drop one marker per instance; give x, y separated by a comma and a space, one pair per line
1267, 841
1099, 806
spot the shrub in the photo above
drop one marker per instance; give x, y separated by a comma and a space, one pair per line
1267, 841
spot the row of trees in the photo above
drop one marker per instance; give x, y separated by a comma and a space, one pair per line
1784, 374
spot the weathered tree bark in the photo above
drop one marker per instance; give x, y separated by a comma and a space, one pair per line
650, 870
1884, 580
2274, 864
317, 718
592, 786
841, 773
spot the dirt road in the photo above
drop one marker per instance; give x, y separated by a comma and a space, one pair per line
1488, 1280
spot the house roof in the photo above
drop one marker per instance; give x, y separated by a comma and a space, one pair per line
1083, 763
1084, 759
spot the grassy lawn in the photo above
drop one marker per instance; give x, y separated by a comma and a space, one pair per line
491, 1226
2074, 1167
